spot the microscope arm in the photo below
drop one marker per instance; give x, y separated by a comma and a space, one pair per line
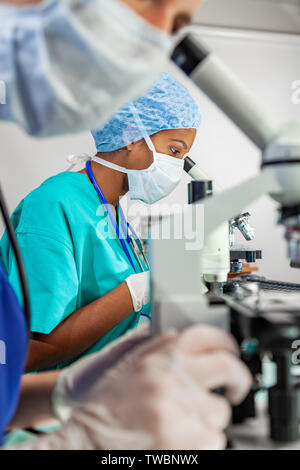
229, 203
217, 81
280, 146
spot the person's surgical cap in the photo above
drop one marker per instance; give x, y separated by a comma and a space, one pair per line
167, 105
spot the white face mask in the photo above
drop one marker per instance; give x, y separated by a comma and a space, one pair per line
153, 183
90, 57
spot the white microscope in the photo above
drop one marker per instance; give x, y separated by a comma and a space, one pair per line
263, 323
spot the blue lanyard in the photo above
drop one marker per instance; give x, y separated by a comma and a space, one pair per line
111, 216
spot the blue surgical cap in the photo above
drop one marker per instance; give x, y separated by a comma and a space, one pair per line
167, 105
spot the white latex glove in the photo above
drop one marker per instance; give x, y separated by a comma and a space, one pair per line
157, 397
139, 288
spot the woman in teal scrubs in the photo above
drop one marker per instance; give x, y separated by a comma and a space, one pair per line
86, 285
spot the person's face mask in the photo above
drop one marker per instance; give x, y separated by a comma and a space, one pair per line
75, 62
155, 182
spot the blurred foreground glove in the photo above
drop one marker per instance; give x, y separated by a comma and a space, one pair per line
139, 288
157, 397
75, 382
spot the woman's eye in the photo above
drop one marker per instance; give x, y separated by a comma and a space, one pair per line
174, 151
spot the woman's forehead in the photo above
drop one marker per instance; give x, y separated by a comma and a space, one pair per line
186, 135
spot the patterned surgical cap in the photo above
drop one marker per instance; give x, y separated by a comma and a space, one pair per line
167, 105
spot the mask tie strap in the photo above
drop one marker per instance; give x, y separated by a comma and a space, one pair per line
111, 165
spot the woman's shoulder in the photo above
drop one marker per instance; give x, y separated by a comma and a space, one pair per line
49, 204
63, 184
59, 189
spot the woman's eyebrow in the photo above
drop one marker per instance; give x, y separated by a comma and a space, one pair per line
181, 142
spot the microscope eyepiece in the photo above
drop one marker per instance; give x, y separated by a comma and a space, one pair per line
189, 54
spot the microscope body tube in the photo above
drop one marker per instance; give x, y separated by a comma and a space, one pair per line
197, 174
226, 91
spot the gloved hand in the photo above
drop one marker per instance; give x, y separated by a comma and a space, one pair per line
75, 382
157, 397
139, 288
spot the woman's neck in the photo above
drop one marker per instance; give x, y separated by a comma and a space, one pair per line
111, 182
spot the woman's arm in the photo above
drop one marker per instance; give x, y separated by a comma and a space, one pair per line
35, 404
80, 330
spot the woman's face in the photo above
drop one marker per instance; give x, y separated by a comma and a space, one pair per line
173, 142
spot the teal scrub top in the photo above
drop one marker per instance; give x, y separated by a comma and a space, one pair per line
71, 254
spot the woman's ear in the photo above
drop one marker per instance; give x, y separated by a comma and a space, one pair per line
129, 147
